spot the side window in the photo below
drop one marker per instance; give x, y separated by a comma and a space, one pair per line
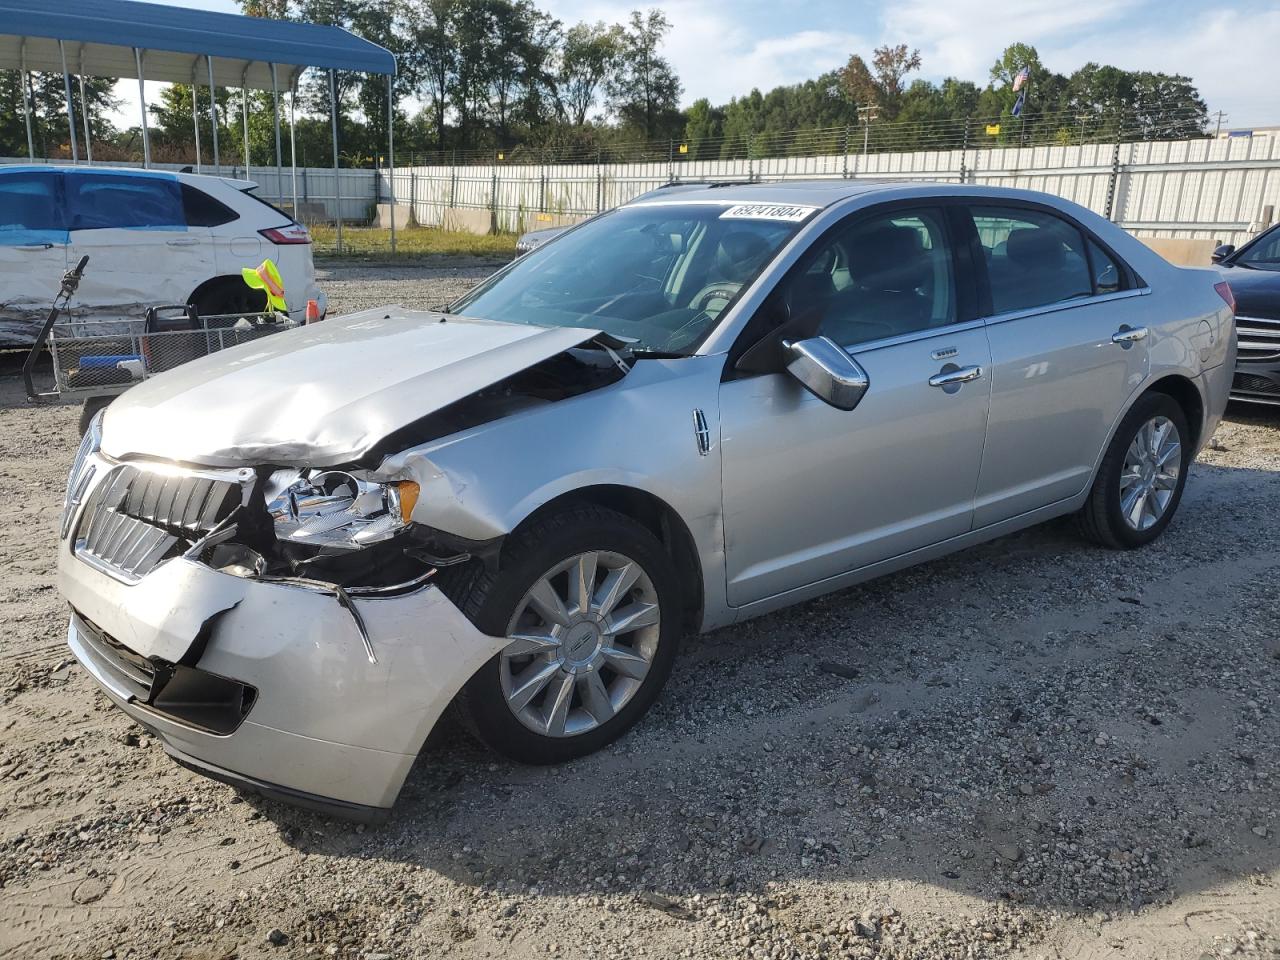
31, 209
202, 210
1107, 277
1264, 255
882, 276
105, 201
1033, 258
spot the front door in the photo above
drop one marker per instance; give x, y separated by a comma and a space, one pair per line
812, 492
33, 250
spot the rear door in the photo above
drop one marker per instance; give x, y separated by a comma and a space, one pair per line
1067, 327
33, 250
142, 252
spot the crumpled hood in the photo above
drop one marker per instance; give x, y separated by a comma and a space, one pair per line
321, 395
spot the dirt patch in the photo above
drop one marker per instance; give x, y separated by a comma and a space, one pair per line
1032, 749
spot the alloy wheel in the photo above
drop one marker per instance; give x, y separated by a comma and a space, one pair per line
1150, 474
583, 639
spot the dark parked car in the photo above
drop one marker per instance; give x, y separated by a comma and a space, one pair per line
1253, 271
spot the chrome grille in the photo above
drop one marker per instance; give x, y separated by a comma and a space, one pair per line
139, 516
1258, 339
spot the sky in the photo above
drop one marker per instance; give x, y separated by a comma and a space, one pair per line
724, 48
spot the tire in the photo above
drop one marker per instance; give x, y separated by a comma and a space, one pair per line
500, 604
1103, 517
227, 297
90, 409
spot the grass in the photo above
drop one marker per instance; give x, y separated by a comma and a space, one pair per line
375, 243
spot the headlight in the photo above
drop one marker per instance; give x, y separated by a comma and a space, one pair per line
81, 471
330, 508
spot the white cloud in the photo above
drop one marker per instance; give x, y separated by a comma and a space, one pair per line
964, 37
718, 53
1229, 54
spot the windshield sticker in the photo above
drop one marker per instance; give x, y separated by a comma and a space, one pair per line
787, 212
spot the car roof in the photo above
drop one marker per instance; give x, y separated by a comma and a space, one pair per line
81, 168
824, 193
180, 175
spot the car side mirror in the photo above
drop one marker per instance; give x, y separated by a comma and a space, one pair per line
827, 371
1224, 251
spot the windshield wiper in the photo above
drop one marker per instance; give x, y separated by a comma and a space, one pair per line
657, 354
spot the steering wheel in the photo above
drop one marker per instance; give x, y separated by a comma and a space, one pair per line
724, 290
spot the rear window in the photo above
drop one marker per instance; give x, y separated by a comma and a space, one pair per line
202, 210
105, 201
30, 203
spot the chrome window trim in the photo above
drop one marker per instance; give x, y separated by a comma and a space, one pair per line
1063, 305
927, 333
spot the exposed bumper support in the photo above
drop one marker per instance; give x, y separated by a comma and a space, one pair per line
327, 727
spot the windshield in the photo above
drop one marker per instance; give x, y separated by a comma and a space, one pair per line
1263, 255
657, 274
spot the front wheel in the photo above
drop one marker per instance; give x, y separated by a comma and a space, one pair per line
1140, 481
590, 603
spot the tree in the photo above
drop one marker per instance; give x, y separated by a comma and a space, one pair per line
520, 80
644, 92
431, 26
881, 84
703, 123
48, 102
589, 55
171, 126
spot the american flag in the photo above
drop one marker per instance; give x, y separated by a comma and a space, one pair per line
1021, 78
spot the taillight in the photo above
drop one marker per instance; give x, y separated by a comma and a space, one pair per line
282, 236
1224, 291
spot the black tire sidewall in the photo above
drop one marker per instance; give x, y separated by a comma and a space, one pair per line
482, 700
90, 409
227, 298
1147, 407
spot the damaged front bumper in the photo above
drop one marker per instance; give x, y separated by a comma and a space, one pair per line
308, 695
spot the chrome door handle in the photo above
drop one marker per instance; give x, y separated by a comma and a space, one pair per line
960, 375
1129, 335
30, 247
183, 242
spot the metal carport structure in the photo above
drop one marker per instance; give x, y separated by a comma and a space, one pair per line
126, 38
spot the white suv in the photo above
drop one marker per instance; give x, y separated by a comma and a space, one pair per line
152, 237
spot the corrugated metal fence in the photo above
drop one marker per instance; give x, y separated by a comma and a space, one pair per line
1223, 189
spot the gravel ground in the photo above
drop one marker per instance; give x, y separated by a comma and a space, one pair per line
1034, 749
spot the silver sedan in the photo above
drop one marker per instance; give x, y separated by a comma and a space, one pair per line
287, 559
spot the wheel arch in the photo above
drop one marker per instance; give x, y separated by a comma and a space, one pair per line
655, 515
217, 283
1187, 395
1178, 386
